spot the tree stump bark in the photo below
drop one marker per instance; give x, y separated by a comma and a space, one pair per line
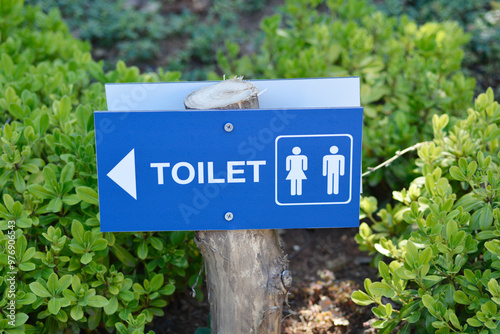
247, 273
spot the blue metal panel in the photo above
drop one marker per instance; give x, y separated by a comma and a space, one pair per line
181, 170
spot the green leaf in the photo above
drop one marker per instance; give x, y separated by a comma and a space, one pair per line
123, 255
27, 266
27, 299
142, 250
21, 245
77, 231
156, 243
55, 205
439, 324
451, 230
486, 217
156, 282
97, 301
16, 111
380, 289
52, 283
64, 107
411, 255
95, 69
454, 320
485, 235
49, 175
429, 303
457, 174
99, 244
461, 298
425, 256
64, 283
21, 319
474, 322
72, 199
121, 328
39, 191
405, 274
127, 296
94, 319
39, 290
471, 169
76, 283
88, 195
112, 306
54, 305
9, 202
68, 172
76, 312
430, 183
489, 308
177, 237
19, 183
139, 289
462, 164
384, 271
70, 295
494, 287
408, 309
86, 258
361, 298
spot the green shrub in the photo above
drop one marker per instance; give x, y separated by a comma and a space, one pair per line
115, 29
442, 239
183, 35
480, 18
408, 73
69, 277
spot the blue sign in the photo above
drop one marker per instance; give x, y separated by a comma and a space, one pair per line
229, 169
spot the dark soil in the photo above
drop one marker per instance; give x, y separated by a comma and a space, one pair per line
326, 266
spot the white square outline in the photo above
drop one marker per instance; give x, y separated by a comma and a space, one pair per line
276, 169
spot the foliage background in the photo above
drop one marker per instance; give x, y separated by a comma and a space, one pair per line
412, 70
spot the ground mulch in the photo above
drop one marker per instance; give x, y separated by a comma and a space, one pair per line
327, 267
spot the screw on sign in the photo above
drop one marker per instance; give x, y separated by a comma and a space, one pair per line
229, 216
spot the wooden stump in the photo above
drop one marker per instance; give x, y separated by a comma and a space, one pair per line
246, 270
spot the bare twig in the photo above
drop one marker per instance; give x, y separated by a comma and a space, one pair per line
398, 154
196, 283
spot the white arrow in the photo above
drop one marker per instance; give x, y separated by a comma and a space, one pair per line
124, 174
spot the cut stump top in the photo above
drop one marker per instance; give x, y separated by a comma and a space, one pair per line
227, 94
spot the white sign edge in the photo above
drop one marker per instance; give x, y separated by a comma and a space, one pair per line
277, 94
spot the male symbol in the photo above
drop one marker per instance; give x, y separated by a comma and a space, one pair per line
333, 166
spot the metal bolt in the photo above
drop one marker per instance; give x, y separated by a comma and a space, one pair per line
229, 216
228, 127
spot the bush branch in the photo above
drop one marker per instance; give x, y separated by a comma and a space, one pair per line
398, 154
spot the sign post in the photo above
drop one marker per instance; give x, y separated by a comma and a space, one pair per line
247, 273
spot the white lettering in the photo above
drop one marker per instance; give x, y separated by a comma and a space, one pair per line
256, 165
210, 166
235, 172
201, 176
231, 171
175, 175
160, 166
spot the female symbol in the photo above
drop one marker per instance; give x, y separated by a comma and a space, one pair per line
296, 164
